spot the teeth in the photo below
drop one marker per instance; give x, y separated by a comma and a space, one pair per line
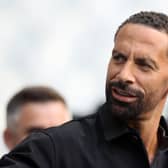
122, 93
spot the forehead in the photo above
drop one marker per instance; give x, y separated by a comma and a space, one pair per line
140, 38
43, 114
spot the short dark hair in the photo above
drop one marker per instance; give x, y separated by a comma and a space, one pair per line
156, 20
32, 94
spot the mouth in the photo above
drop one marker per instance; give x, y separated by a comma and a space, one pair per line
123, 96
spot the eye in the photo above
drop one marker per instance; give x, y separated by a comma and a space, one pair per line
144, 66
30, 130
119, 58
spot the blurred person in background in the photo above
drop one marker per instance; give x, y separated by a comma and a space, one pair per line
31, 109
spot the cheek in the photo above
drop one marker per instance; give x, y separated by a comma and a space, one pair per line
164, 87
22, 131
156, 87
22, 136
112, 71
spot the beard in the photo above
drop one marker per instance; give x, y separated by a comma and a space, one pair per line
129, 110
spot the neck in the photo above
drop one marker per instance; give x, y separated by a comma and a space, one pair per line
147, 125
148, 137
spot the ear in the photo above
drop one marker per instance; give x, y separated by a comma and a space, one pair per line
8, 137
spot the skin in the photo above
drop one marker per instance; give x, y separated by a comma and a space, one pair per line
35, 116
140, 61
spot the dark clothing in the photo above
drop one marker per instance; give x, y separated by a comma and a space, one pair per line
97, 141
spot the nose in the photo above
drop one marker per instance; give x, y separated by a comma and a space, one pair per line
126, 73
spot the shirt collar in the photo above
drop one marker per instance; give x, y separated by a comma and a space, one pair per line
163, 134
114, 128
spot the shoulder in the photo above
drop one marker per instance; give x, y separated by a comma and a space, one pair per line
75, 128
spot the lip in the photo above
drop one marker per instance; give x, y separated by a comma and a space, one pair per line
123, 96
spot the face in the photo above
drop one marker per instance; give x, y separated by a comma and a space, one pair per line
137, 78
34, 116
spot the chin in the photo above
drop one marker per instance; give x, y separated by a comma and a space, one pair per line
124, 113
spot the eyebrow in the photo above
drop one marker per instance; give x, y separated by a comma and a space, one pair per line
114, 52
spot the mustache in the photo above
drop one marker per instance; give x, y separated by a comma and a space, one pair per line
126, 88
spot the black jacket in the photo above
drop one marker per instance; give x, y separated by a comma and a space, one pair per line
97, 141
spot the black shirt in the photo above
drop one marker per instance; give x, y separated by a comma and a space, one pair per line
97, 141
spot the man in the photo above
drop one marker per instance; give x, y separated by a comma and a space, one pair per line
128, 131
33, 108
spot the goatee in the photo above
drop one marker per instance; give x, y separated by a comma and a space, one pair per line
124, 110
